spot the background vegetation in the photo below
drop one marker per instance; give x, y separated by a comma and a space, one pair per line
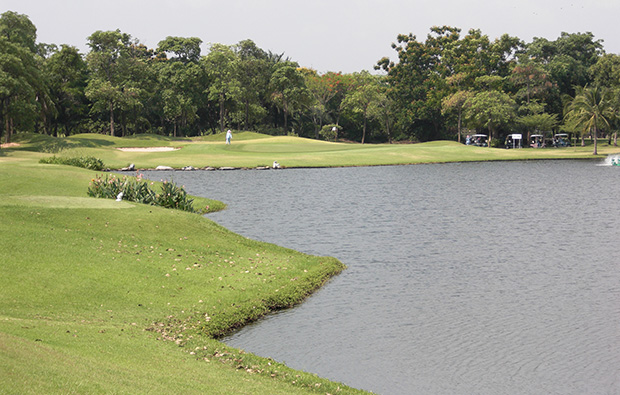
442, 87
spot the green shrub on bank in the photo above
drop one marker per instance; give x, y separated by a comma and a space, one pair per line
87, 162
139, 191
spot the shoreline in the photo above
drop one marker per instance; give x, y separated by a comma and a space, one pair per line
229, 168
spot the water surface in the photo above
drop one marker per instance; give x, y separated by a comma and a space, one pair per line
463, 278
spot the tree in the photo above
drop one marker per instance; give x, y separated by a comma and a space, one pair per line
20, 77
67, 74
177, 82
108, 63
567, 59
288, 87
185, 49
180, 80
253, 75
385, 107
591, 109
322, 89
532, 81
606, 71
541, 122
455, 101
221, 66
489, 109
364, 97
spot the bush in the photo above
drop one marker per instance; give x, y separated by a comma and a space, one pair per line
139, 191
330, 132
87, 162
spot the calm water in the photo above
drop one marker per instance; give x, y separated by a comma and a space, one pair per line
473, 278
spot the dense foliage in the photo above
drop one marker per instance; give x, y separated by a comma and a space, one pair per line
87, 162
446, 86
139, 190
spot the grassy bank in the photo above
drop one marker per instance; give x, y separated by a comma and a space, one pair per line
99, 296
252, 150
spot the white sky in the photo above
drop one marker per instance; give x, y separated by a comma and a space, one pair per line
327, 35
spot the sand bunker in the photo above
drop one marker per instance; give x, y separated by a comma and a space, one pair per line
148, 149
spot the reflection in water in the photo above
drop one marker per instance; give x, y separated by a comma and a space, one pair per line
462, 278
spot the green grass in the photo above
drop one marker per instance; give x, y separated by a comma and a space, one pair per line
253, 150
99, 296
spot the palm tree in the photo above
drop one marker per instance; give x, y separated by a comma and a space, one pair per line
591, 109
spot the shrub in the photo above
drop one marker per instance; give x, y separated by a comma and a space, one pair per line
330, 132
139, 191
496, 143
87, 162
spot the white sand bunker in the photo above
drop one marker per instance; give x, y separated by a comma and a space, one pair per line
148, 149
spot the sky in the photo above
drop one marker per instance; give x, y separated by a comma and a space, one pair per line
326, 35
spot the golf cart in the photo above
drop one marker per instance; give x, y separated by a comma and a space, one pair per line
513, 141
538, 141
478, 140
561, 140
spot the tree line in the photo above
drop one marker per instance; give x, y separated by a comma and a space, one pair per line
441, 88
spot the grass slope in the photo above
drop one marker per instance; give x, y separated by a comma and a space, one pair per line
99, 296
252, 150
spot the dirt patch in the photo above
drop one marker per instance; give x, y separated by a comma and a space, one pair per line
148, 149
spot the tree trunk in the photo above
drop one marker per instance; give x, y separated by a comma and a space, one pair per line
595, 142
364, 130
222, 113
111, 119
10, 130
459, 126
7, 122
247, 115
387, 129
7, 138
285, 109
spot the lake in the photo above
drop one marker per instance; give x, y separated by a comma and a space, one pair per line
463, 278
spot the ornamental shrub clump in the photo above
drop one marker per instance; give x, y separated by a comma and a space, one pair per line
140, 191
87, 162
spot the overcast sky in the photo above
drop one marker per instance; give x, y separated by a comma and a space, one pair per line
326, 35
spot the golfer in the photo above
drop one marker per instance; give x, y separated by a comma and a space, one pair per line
228, 136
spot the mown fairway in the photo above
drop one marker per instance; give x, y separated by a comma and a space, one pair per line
252, 150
